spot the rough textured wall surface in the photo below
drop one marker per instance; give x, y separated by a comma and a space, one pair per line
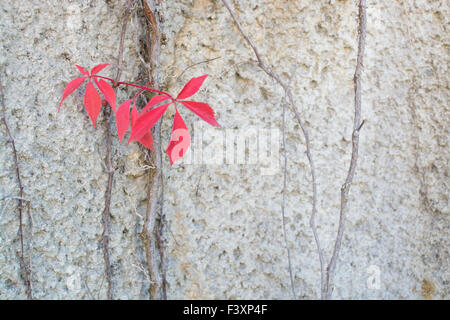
223, 233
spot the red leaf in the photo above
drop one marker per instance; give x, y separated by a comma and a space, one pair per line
107, 91
92, 102
203, 110
123, 118
154, 101
179, 140
191, 87
134, 115
146, 121
98, 68
82, 70
71, 87
147, 140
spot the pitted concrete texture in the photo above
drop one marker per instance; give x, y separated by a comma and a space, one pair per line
223, 233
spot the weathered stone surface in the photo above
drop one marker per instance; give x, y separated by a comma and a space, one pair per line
223, 233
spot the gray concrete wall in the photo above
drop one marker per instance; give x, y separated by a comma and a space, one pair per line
223, 232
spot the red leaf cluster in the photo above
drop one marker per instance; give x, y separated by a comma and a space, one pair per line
143, 121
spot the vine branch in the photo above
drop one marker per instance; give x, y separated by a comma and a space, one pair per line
25, 267
299, 119
151, 233
109, 161
357, 125
283, 201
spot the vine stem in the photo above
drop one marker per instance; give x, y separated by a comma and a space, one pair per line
326, 275
25, 267
327, 289
118, 83
283, 203
283, 200
299, 119
151, 234
109, 162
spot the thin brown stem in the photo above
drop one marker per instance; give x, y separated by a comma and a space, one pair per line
29, 264
283, 202
106, 211
357, 125
151, 232
118, 83
25, 267
159, 229
299, 119
196, 64
159, 232
109, 161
